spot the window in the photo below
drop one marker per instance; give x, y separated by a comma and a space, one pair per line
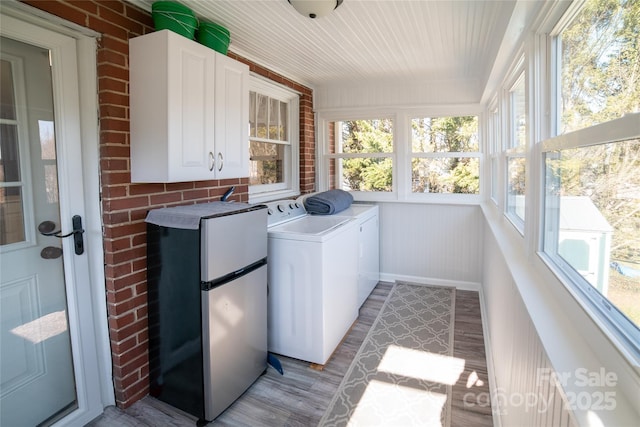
273, 142
445, 155
361, 155
598, 64
516, 153
494, 147
12, 184
592, 170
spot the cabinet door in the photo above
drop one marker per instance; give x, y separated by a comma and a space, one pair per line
172, 109
191, 111
232, 118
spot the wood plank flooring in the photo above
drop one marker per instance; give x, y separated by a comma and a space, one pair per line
300, 397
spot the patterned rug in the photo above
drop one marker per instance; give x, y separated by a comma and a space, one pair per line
396, 378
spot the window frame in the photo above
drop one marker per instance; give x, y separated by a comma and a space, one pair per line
402, 152
291, 185
510, 149
444, 197
375, 155
612, 321
621, 331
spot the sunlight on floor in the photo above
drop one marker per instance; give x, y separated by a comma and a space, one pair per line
421, 365
404, 405
42, 328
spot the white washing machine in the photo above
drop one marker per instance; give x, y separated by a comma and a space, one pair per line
312, 280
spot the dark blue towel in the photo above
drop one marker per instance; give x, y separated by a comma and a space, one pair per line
328, 202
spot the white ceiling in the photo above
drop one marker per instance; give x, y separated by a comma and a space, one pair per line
367, 41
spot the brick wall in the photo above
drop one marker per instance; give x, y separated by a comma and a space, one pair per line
125, 204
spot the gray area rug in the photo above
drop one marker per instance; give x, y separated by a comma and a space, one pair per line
397, 378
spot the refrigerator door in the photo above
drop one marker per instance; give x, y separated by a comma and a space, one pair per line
230, 243
234, 327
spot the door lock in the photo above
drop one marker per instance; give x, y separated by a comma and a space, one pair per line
48, 228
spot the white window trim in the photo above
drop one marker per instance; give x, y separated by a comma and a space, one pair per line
517, 74
624, 128
291, 186
402, 153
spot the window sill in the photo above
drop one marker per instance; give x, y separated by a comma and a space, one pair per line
425, 199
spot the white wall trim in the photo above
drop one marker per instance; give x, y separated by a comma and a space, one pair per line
458, 284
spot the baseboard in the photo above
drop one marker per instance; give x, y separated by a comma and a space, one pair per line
458, 284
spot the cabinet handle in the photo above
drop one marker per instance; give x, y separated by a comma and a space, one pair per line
212, 161
220, 161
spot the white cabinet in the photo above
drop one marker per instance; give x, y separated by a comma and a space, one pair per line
231, 118
189, 111
368, 256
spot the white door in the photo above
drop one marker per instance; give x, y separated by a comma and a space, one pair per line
43, 349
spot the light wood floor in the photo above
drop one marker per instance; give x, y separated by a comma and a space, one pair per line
300, 397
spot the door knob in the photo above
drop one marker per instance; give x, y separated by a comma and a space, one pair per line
48, 228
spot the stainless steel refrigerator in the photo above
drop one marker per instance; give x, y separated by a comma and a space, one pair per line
207, 292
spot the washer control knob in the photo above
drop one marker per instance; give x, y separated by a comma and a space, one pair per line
292, 205
281, 208
269, 211
297, 205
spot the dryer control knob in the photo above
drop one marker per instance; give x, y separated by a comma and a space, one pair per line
281, 208
269, 211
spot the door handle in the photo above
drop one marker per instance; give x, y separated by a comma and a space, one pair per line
48, 228
220, 161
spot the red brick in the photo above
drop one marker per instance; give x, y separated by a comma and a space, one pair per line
125, 230
164, 198
119, 296
114, 71
194, 194
128, 282
138, 189
111, 192
120, 322
129, 255
111, 178
138, 15
115, 44
114, 124
114, 150
122, 346
105, 27
116, 271
110, 137
113, 85
60, 9
179, 186
140, 239
111, 56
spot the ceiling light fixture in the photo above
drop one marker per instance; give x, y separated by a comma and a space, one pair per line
315, 8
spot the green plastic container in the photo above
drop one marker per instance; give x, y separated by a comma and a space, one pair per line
214, 36
169, 15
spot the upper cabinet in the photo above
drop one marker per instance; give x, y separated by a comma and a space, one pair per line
189, 111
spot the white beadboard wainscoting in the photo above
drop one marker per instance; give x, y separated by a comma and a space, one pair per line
522, 390
431, 243
535, 333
